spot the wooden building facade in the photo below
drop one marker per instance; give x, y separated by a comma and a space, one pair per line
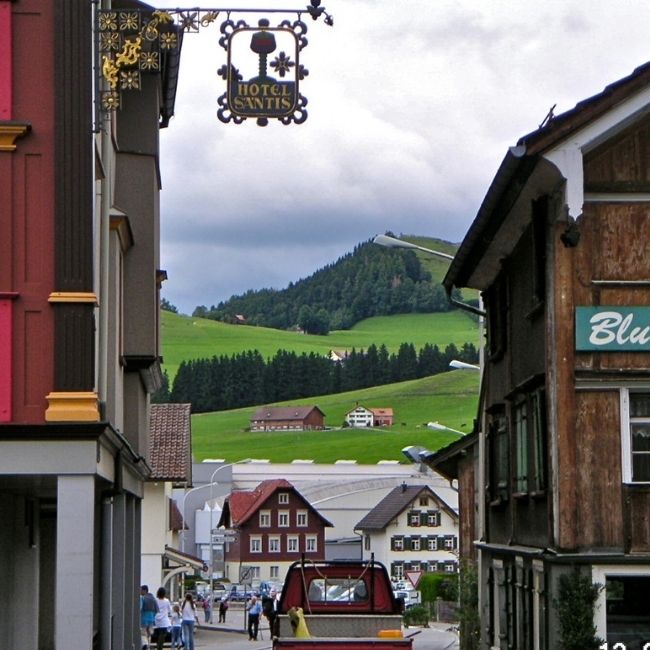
271, 527
79, 344
559, 250
287, 418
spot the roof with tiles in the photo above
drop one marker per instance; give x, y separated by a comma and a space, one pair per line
394, 503
170, 442
240, 506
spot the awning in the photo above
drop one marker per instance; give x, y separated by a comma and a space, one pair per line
181, 558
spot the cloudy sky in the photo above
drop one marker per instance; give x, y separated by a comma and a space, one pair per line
412, 105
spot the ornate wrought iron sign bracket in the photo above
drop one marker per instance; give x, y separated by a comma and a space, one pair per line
135, 42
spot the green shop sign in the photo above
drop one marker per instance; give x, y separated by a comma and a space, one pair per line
613, 329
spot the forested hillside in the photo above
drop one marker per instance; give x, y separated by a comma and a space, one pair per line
370, 281
246, 379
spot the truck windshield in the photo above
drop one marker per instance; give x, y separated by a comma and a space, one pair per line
337, 590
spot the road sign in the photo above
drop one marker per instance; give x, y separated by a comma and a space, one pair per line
413, 577
246, 575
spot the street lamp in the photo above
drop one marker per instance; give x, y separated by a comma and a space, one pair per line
414, 453
461, 365
202, 487
392, 242
441, 427
212, 482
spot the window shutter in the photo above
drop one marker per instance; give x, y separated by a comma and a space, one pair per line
392, 543
407, 543
424, 518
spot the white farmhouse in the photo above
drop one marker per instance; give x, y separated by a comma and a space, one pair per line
411, 529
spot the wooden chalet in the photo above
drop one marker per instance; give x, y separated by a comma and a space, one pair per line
559, 252
286, 418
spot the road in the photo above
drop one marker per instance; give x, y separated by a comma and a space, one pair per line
436, 637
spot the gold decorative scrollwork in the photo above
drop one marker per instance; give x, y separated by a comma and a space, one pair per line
130, 52
110, 71
209, 18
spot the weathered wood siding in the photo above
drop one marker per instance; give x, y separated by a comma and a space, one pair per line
467, 500
595, 509
599, 521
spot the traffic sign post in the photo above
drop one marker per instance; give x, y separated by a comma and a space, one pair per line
414, 577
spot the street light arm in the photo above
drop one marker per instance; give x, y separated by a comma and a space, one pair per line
392, 242
441, 427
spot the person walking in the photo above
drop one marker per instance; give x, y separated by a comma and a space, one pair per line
176, 618
254, 610
162, 621
270, 610
207, 609
188, 614
223, 608
148, 610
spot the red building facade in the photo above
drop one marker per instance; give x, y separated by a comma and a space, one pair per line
272, 526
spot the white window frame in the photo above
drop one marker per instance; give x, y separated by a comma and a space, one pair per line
283, 498
311, 543
293, 540
275, 545
599, 575
255, 544
626, 434
433, 518
432, 544
286, 516
299, 515
415, 544
398, 543
274, 572
449, 543
265, 519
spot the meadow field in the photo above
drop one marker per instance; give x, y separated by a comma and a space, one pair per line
450, 398
185, 337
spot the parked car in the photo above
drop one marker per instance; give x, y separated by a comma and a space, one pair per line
239, 596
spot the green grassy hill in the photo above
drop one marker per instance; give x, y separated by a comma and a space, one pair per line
450, 398
185, 338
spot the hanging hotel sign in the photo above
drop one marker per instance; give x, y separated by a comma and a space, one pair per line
263, 96
613, 329
262, 73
